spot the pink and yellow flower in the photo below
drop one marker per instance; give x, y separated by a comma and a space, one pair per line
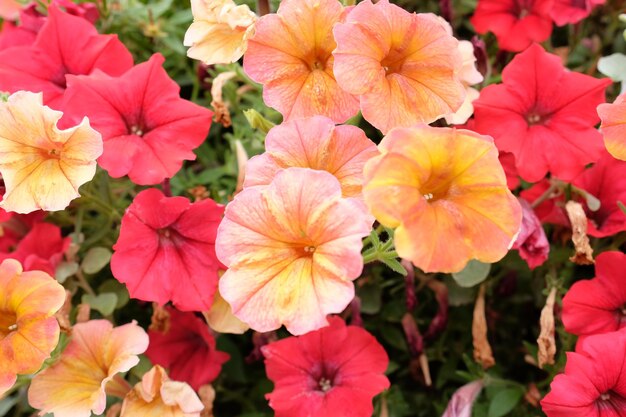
219, 32
403, 66
28, 330
445, 193
293, 249
614, 126
314, 143
77, 384
291, 55
157, 395
43, 166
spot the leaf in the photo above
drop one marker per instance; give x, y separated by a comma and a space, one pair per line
395, 266
374, 239
114, 286
6, 404
104, 303
257, 121
371, 298
504, 402
65, 270
473, 274
95, 260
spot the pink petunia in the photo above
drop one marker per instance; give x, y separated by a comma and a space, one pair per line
572, 11
531, 242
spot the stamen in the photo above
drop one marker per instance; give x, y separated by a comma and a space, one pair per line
325, 384
428, 196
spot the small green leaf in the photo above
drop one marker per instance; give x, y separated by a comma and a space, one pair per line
375, 239
65, 270
473, 274
257, 121
95, 260
104, 303
395, 266
371, 298
504, 402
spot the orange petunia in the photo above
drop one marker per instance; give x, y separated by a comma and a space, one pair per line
291, 55
315, 143
614, 126
404, 66
445, 193
77, 384
43, 166
28, 330
156, 395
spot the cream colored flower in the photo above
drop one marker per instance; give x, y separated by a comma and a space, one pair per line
219, 32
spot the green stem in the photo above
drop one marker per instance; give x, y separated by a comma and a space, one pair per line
102, 204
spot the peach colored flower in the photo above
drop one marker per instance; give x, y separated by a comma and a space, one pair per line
293, 249
77, 384
28, 330
157, 395
221, 318
219, 32
291, 55
43, 166
614, 126
445, 193
9, 9
318, 144
469, 76
403, 66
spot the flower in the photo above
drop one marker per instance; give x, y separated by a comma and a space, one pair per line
507, 160
221, 318
9, 9
219, 32
187, 349
593, 382
462, 401
314, 143
445, 193
334, 371
157, 395
292, 253
516, 23
572, 11
290, 54
531, 241
42, 67
41, 249
148, 130
75, 385
42, 166
28, 330
597, 305
544, 115
166, 250
403, 66
614, 126
552, 210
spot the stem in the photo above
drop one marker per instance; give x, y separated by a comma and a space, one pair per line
82, 282
263, 7
97, 201
546, 195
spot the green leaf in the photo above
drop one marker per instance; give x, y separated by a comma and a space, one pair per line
371, 298
395, 266
504, 402
114, 286
374, 239
95, 260
104, 303
65, 270
473, 274
257, 120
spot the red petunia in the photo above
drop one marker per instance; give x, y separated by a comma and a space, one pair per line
147, 129
334, 371
507, 160
516, 23
65, 44
166, 250
187, 348
544, 115
531, 242
594, 382
597, 305
572, 11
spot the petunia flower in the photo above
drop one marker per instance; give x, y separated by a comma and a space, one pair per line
9, 9
77, 384
293, 250
166, 250
614, 126
219, 32
531, 242
221, 319
564, 12
403, 66
597, 305
516, 23
334, 371
544, 114
315, 143
444, 192
187, 349
148, 130
43, 66
291, 55
462, 401
42, 166
157, 395
28, 330
594, 381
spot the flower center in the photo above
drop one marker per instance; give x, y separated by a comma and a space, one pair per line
325, 384
137, 130
309, 249
165, 233
8, 323
535, 118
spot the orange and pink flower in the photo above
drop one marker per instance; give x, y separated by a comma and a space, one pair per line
404, 67
445, 193
28, 330
614, 126
293, 249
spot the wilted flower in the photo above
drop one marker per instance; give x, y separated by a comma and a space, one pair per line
462, 400
41, 165
614, 126
531, 241
29, 332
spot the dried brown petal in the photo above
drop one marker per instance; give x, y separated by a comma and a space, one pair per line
63, 315
482, 350
83, 314
207, 396
576, 214
532, 396
222, 113
546, 342
160, 319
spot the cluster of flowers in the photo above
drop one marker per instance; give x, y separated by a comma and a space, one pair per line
286, 250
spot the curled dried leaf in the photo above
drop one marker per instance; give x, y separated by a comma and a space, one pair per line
222, 113
63, 315
482, 349
207, 396
160, 321
578, 219
546, 342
